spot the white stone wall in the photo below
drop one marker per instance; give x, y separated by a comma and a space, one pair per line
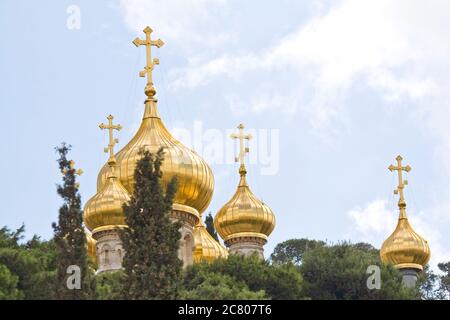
247, 246
109, 251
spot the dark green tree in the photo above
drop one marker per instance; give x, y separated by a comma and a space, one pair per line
435, 286
209, 223
69, 235
293, 250
151, 241
205, 285
33, 263
276, 281
339, 272
109, 285
444, 280
8, 285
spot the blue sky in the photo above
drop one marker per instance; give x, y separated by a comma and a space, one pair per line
337, 88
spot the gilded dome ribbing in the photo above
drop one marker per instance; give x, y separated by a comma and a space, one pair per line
244, 215
104, 210
206, 247
405, 248
194, 176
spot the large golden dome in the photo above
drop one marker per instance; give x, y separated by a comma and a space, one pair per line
405, 248
194, 176
206, 247
104, 210
244, 215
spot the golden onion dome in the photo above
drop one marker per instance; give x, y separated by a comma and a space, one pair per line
91, 246
104, 210
194, 176
244, 215
206, 247
405, 248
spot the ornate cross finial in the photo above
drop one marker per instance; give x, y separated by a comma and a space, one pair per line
148, 69
242, 148
78, 172
401, 182
112, 141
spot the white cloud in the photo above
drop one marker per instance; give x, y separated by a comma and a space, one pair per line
375, 222
381, 42
182, 23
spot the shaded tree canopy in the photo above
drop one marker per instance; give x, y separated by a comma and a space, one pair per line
69, 236
151, 241
209, 223
293, 250
340, 272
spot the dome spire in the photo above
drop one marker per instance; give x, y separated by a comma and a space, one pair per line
150, 90
243, 150
112, 142
401, 185
103, 213
405, 249
244, 222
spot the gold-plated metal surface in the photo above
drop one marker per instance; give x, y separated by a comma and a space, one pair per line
105, 208
206, 247
244, 215
405, 249
78, 172
243, 150
194, 176
112, 141
91, 244
150, 65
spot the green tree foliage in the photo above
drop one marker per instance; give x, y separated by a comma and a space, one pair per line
8, 285
151, 241
444, 280
339, 272
248, 273
292, 250
436, 286
209, 223
70, 238
109, 285
216, 286
33, 264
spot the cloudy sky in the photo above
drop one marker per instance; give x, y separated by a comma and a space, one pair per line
332, 92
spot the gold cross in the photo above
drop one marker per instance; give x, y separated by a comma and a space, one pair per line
112, 141
78, 172
401, 183
242, 148
148, 42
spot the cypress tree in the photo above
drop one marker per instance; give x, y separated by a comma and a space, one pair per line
151, 241
69, 236
209, 222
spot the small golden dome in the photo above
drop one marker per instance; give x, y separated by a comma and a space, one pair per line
244, 215
104, 210
91, 244
405, 248
194, 176
206, 247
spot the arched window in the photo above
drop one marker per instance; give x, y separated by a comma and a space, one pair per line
119, 253
188, 250
106, 249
